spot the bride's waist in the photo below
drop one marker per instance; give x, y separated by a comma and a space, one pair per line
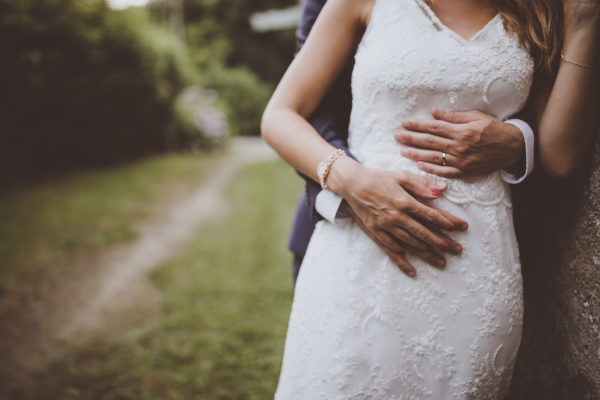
485, 190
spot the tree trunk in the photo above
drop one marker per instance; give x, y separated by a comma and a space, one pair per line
558, 225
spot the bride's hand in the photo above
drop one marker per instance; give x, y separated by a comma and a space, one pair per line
381, 204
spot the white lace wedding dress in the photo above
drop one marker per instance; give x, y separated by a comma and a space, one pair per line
359, 327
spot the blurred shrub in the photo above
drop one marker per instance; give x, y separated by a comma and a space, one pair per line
243, 96
223, 27
84, 85
201, 123
241, 65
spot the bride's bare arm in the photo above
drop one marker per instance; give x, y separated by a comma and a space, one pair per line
568, 110
333, 39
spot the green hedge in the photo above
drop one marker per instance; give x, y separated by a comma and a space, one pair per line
84, 85
242, 65
243, 96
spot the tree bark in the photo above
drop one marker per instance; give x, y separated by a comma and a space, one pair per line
558, 226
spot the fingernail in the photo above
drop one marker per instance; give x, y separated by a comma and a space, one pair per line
441, 263
412, 274
457, 249
436, 193
451, 228
406, 123
464, 227
445, 247
440, 185
404, 152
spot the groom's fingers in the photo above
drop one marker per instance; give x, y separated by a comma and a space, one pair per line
424, 140
406, 233
440, 170
430, 156
401, 262
455, 117
430, 257
384, 239
396, 256
432, 216
436, 127
421, 232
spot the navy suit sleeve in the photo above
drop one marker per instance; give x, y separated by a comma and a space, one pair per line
331, 117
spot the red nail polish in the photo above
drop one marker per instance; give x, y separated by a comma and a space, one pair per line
445, 247
436, 193
451, 228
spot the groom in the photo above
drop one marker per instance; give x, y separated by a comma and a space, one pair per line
452, 145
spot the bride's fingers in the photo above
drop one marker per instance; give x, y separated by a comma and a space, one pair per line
459, 223
421, 186
453, 245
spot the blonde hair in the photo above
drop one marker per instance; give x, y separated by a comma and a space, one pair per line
539, 26
537, 23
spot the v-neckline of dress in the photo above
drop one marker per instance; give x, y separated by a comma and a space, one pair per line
439, 25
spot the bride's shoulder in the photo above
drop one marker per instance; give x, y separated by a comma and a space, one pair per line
367, 10
360, 9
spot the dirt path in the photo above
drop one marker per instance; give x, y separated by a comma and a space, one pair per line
94, 293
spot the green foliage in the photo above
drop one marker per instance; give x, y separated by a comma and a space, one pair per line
242, 65
244, 96
221, 324
84, 85
266, 54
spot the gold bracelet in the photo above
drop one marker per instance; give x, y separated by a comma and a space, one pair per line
565, 59
325, 166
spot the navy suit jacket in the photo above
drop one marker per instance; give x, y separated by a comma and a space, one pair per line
330, 119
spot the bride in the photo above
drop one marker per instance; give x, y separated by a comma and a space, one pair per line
360, 328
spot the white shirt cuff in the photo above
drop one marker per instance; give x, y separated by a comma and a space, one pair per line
529, 139
328, 204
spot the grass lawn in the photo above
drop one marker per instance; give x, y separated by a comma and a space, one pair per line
41, 227
222, 316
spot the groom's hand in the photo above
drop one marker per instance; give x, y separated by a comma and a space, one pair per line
475, 143
384, 209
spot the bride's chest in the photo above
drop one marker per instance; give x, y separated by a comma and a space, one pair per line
405, 58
